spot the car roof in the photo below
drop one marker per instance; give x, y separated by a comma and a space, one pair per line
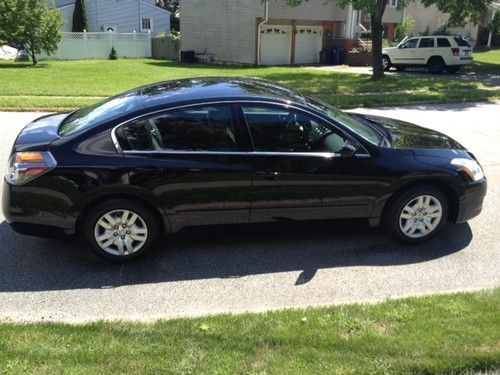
215, 88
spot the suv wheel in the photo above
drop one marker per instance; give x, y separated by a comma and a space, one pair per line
436, 65
386, 63
417, 214
452, 69
120, 229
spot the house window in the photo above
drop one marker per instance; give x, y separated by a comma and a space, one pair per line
392, 4
146, 24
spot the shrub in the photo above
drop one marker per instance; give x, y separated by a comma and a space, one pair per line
405, 28
113, 55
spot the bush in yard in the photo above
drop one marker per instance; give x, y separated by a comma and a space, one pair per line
113, 55
32, 23
405, 28
80, 22
494, 25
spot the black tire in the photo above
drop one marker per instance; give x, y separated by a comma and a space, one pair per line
452, 69
436, 65
400, 68
98, 211
386, 62
391, 217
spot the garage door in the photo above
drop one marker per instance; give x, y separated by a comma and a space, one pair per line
276, 44
308, 44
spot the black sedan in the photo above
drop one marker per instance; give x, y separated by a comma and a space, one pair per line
189, 153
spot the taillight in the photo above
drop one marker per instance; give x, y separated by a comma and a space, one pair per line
455, 51
26, 166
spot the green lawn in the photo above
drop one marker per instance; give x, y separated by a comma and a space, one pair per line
63, 85
439, 334
487, 62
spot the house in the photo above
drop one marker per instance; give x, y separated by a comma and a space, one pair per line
121, 16
431, 19
256, 32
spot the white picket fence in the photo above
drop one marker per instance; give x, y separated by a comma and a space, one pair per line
81, 46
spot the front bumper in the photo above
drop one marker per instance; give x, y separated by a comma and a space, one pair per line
32, 211
471, 202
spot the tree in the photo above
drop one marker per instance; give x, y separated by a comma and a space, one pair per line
460, 12
80, 22
405, 28
494, 25
173, 7
31, 23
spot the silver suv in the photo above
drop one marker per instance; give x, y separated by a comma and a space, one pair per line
437, 53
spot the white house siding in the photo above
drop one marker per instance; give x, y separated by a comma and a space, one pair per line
431, 18
126, 15
392, 15
309, 10
67, 13
224, 28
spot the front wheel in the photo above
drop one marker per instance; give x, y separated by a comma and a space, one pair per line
386, 63
120, 229
417, 214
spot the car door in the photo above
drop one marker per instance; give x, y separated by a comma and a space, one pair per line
406, 54
297, 171
426, 49
192, 160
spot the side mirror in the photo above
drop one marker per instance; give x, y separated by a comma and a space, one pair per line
348, 150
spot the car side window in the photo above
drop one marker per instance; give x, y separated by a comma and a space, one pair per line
281, 129
411, 43
443, 42
201, 128
426, 43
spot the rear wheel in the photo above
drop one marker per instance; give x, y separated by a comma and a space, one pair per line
452, 69
386, 63
436, 65
417, 214
120, 229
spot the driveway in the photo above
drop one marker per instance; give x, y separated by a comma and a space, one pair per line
259, 269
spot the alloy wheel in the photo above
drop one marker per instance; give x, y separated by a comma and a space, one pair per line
420, 216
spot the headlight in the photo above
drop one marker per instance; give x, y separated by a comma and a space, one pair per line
470, 167
26, 166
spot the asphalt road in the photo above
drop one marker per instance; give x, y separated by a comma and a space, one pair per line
253, 270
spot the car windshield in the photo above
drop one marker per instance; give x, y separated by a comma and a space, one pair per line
348, 121
107, 110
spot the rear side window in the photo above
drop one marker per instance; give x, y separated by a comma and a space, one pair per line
426, 43
204, 128
461, 42
443, 42
108, 110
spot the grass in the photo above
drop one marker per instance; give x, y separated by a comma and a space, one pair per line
64, 85
438, 334
487, 62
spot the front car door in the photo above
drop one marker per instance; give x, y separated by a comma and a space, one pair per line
297, 171
406, 54
192, 160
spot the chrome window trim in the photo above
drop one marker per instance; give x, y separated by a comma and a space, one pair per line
326, 155
229, 102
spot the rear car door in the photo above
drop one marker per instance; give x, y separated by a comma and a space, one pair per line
426, 49
192, 160
297, 172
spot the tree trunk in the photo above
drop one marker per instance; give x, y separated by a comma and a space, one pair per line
377, 33
33, 56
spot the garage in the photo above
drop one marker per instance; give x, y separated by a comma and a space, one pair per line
308, 44
276, 44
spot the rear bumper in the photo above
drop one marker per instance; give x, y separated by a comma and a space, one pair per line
471, 202
27, 211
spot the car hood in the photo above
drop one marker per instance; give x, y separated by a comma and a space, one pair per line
404, 135
39, 134
385, 50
